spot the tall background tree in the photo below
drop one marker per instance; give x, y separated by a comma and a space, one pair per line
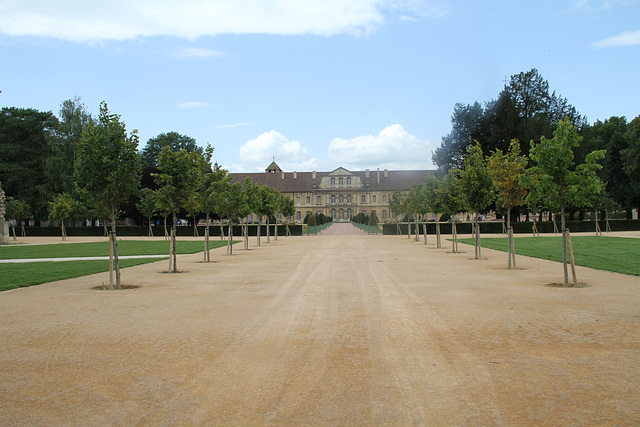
107, 169
558, 182
631, 162
25, 136
173, 140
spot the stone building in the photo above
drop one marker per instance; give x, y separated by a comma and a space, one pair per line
340, 194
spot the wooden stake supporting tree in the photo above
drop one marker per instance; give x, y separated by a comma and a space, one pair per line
557, 182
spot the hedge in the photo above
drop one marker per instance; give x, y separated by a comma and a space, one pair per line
492, 227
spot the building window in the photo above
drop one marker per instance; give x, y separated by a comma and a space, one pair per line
318, 200
333, 200
341, 214
341, 200
333, 183
341, 182
384, 199
298, 216
333, 214
349, 199
308, 200
384, 213
349, 182
349, 215
298, 200
374, 199
364, 198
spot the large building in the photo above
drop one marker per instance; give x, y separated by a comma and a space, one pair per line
340, 194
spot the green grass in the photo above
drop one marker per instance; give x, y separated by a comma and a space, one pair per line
34, 273
617, 254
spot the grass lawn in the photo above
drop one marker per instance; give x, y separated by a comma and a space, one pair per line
618, 254
34, 273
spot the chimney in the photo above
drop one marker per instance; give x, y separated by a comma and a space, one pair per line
314, 174
366, 173
386, 173
378, 175
295, 174
282, 175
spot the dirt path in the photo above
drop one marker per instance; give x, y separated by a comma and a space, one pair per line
329, 330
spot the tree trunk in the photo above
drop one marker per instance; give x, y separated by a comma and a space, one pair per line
564, 248
173, 244
207, 257
195, 228
258, 233
62, 230
166, 234
245, 234
424, 231
509, 236
268, 236
454, 235
150, 229
230, 239
438, 239
24, 233
478, 247
116, 262
275, 230
13, 227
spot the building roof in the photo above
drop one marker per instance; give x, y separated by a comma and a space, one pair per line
298, 182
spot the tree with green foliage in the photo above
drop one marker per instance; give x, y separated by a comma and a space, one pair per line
173, 140
418, 202
59, 164
476, 185
25, 136
287, 209
107, 169
147, 206
373, 219
450, 198
235, 206
19, 211
558, 182
211, 198
395, 206
263, 204
179, 179
434, 203
508, 172
61, 207
631, 162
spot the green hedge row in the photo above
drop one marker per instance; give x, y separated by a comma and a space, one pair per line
518, 227
158, 230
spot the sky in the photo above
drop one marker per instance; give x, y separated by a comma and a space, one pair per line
313, 84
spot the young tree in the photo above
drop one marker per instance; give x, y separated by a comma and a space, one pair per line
477, 188
234, 207
558, 182
287, 208
61, 207
211, 198
434, 203
147, 206
508, 172
450, 198
180, 177
395, 206
107, 169
19, 211
418, 201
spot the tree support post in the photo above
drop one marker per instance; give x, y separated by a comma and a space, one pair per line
573, 261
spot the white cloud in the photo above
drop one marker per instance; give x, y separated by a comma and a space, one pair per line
394, 148
257, 154
194, 53
83, 21
234, 125
192, 104
629, 38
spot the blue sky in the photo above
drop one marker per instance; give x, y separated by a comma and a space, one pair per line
317, 84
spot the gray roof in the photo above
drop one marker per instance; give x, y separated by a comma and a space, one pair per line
305, 182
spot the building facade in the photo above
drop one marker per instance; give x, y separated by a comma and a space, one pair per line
340, 194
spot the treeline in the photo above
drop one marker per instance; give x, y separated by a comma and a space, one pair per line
527, 110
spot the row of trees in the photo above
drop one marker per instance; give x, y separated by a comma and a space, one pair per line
107, 170
553, 182
527, 110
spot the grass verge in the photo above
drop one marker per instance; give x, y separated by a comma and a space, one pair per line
617, 254
14, 276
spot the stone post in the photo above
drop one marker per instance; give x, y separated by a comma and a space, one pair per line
4, 226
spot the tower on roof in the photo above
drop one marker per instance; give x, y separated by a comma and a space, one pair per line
273, 168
